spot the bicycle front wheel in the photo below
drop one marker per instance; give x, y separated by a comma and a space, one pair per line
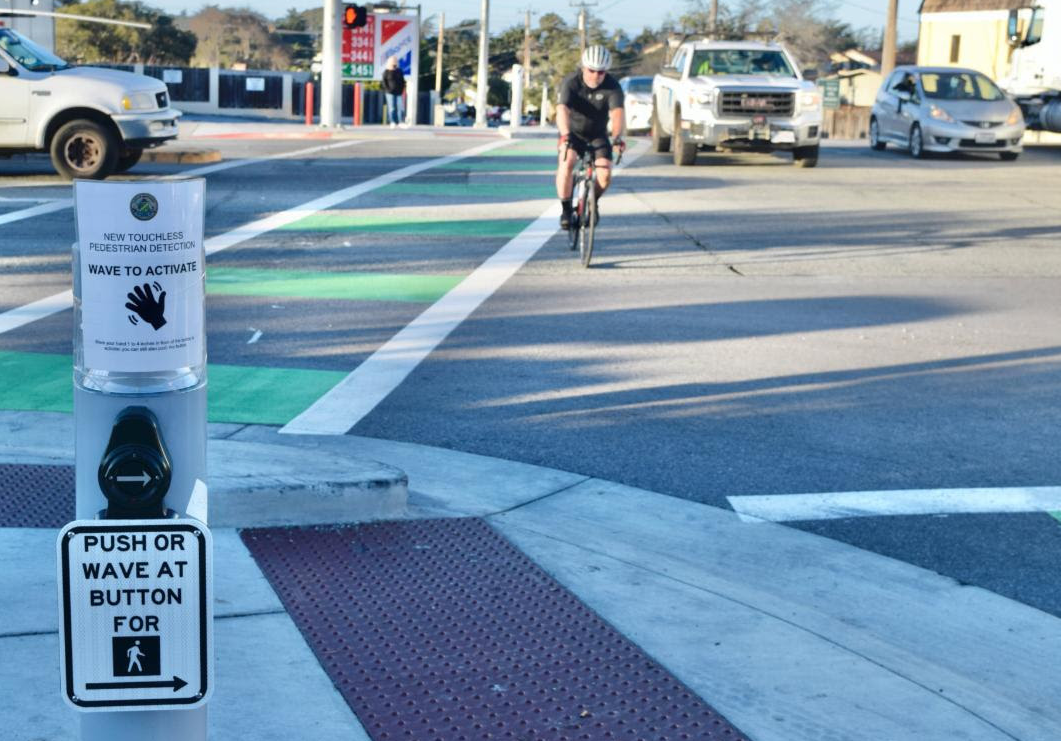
589, 225
575, 227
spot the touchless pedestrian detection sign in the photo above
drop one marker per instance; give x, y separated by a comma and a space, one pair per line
135, 598
141, 268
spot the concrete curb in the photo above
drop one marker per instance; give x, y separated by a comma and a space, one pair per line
176, 155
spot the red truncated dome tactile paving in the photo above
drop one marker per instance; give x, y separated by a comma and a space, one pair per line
440, 630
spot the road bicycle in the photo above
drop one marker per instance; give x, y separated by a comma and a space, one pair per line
584, 206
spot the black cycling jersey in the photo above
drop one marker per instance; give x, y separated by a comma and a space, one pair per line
589, 106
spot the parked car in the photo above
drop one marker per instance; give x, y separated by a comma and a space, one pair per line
945, 109
637, 97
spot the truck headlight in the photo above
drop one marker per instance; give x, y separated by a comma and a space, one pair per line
705, 97
939, 114
138, 102
1015, 117
810, 100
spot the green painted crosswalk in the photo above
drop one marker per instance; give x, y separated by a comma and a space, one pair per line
352, 221
243, 394
479, 190
317, 285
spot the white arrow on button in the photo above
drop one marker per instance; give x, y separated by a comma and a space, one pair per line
143, 478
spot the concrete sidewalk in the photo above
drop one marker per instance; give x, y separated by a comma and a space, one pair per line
791, 636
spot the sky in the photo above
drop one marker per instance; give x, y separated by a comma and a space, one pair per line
630, 15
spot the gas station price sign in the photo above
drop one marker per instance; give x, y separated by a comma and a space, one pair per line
136, 607
359, 51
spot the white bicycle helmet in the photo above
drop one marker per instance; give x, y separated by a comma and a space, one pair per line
597, 58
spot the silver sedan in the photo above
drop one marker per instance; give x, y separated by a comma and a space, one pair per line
945, 109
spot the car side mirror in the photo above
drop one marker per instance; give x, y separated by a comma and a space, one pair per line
810, 75
1013, 29
903, 95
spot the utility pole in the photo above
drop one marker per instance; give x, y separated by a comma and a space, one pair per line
887, 56
714, 18
526, 47
482, 84
331, 83
526, 51
438, 55
582, 22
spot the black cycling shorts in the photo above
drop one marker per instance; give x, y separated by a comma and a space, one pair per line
601, 147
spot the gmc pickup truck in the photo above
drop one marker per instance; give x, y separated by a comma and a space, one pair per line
735, 95
93, 121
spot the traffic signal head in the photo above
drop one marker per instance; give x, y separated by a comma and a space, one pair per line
354, 16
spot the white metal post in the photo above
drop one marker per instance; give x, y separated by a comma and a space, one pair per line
175, 396
515, 111
413, 84
482, 84
331, 59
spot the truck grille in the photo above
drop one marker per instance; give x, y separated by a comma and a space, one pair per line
772, 104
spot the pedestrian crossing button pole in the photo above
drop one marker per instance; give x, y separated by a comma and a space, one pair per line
135, 567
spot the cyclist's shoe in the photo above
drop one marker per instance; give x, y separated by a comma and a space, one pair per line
565, 218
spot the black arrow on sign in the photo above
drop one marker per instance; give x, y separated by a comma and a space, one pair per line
176, 683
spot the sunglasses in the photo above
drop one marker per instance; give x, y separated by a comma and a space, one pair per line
597, 71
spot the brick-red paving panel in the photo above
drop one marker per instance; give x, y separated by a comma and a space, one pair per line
442, 630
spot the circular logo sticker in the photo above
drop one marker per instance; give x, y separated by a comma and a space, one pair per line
143, 206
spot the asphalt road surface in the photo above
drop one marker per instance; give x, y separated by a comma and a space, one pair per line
876, 324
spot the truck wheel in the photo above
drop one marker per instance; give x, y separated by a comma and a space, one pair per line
660, 142
127, 159
684, 151
805, 156
84, 149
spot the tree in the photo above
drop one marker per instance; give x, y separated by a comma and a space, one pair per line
231, 37
87, 43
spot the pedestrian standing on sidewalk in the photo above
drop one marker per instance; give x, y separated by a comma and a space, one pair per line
393, 87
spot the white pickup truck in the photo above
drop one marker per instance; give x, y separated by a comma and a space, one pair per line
735, 95
93, 121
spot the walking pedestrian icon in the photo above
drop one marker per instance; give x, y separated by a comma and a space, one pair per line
137, 656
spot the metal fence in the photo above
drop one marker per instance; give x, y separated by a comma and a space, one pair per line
186, 84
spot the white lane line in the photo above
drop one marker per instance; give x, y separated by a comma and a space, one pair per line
254, 337
791, 507
29, 213
60, 204
14, 318
349, 401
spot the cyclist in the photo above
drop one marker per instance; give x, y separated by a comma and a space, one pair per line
590, 99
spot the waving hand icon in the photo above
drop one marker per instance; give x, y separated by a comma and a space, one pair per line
144, 304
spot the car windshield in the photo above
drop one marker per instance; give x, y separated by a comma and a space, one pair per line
740, 62
959, 86
28, 54
639, 85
